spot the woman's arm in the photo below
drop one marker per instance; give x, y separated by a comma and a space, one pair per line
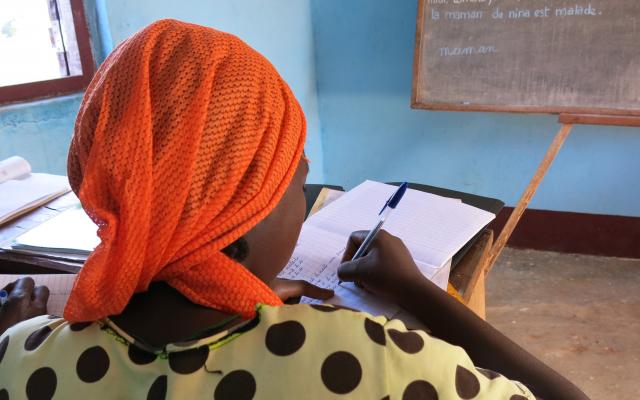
389, 271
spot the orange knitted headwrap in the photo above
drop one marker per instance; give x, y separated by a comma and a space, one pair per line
186, 139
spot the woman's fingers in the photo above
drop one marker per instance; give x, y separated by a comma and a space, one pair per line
9, 287
350, 271
40, 298
286, 289
23, 288
315, 292
25, 301
355, 240
297, 288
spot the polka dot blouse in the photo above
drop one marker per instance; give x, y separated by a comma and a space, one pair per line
287, 352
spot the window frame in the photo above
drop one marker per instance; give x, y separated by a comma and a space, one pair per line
61, 86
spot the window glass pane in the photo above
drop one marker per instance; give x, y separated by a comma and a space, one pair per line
28, 40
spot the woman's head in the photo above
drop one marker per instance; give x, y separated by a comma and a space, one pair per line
187, 139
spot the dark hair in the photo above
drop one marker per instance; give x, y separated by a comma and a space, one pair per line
238, 250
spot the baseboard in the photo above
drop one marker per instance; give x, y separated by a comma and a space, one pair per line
568, 232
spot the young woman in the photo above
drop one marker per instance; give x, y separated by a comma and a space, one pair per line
188, 154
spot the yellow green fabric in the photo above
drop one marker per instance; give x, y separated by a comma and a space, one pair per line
286, 352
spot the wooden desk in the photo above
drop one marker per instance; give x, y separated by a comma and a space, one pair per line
468, 276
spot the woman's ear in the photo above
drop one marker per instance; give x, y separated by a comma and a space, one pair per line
238, 250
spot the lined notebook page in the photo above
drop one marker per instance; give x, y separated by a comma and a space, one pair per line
434, 228
316, 259
59, 285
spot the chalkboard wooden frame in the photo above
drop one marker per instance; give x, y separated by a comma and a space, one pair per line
479, 107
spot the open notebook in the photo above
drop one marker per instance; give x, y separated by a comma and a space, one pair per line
433, 227
59, 285
22, 191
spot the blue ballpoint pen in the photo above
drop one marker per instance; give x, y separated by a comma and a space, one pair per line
388, 207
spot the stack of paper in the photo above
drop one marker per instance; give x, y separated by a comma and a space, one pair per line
22, 191
434, 228
71, 235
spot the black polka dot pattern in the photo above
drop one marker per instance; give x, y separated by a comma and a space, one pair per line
3, 347
323, 307
341, 372
375, 331
236, 385
488, 373
78, 326
188, 361
36, 338
139, 356
42, 384
158, 389
467, 385
4, 395
285, 338
409, 342
420, 390
92, 364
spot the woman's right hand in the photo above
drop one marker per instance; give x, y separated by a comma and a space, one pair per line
386, 269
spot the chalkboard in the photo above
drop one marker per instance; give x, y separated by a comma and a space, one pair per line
548, 56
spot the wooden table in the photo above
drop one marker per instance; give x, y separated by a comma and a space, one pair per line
468, 276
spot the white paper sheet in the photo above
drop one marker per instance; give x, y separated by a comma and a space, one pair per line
71, 232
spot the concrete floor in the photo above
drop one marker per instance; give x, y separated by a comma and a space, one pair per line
579, 314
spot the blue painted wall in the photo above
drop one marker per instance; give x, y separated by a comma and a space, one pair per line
350, 65
364, 55
40, 132
279, 29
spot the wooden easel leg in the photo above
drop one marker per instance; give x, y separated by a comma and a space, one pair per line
551, 154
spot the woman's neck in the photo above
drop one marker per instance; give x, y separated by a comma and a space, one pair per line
162, 315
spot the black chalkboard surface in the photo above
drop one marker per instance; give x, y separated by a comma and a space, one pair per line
548, 56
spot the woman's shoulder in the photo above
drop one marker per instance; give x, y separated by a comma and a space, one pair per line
36, 330
337, 320
39, 336
369, 339
30, 334
34, 353
353, 345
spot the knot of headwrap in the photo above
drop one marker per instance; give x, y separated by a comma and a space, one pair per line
186, 138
